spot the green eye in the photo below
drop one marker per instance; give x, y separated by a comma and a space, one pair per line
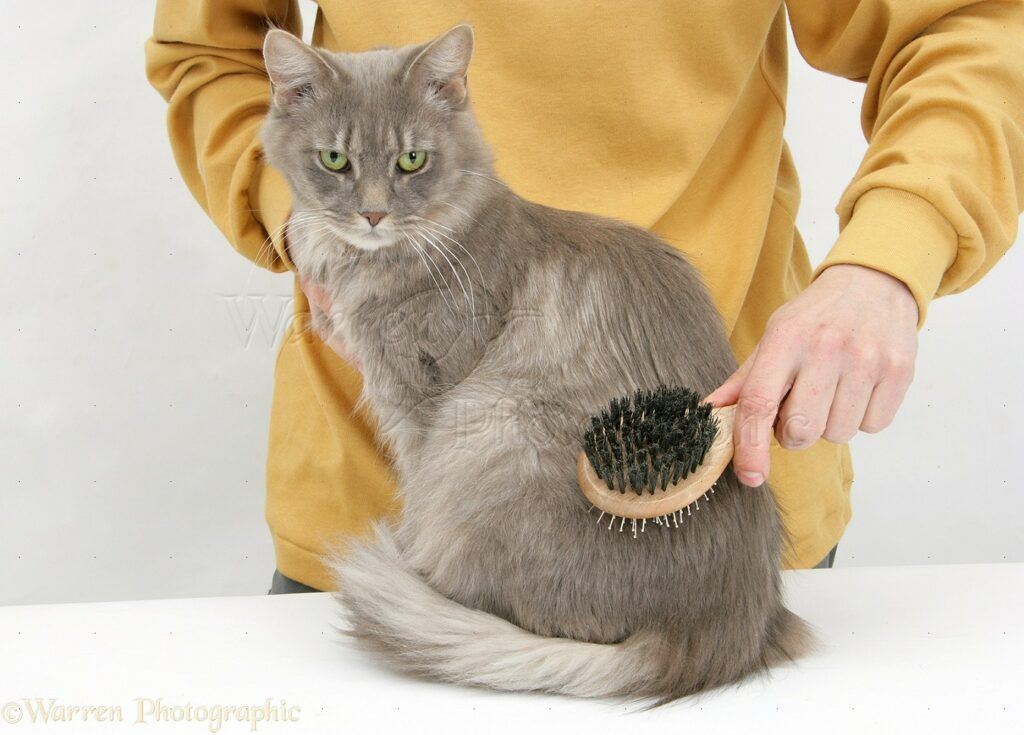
412, 161
334, 160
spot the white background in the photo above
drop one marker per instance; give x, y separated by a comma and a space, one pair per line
136, 348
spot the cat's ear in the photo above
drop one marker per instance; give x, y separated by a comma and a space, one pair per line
296, 69
441, 66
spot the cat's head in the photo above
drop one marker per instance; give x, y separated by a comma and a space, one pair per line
375, 145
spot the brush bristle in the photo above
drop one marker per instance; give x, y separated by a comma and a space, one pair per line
651, 439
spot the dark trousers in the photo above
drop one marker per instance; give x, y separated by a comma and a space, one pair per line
828, 561
282, 585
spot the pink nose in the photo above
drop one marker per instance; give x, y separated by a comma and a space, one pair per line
373, 217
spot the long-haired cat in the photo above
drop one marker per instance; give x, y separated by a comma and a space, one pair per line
489, 329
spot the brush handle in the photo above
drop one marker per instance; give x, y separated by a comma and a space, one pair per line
676, 497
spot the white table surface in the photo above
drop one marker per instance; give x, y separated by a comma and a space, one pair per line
904, 649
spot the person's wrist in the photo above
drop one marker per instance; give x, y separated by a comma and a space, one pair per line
854, 275
898, 233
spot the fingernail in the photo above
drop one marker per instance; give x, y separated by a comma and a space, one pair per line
752, 479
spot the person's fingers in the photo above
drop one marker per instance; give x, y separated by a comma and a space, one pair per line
882, 406
848, 407
320, 313
757, 406
321, 310
887, 396
805, 411
729, 392
317, 296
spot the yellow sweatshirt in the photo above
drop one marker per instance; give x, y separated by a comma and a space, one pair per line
666, 113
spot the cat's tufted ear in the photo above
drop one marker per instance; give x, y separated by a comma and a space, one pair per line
296, 69
442, 65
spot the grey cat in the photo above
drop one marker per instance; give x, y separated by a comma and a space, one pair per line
489, 329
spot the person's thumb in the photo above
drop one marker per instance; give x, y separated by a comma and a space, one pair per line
729, 392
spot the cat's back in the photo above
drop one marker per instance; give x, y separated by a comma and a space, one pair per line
626, 296
593, 240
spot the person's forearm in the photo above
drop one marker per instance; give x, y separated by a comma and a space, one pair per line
932, 207
936, 199
205, 59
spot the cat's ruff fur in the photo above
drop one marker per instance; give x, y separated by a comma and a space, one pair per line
489, 329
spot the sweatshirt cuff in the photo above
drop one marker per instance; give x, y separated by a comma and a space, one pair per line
273, 199
901, 234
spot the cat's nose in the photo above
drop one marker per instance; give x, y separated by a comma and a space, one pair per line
374, 217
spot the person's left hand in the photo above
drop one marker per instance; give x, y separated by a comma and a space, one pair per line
836, 359
320, 308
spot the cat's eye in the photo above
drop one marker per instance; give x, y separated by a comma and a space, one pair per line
334, 160
411, 161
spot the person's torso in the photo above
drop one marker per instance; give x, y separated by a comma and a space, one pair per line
666, 113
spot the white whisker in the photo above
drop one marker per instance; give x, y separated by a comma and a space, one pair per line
460, 246
462, 211
470, 295
427, 261
298, 220
472, 291
451, 265
482, 176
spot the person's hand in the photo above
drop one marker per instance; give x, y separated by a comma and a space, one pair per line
320, 309
836, 359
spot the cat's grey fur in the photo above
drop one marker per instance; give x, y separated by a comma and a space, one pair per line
489, 329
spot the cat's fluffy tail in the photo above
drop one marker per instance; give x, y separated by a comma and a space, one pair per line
391, 610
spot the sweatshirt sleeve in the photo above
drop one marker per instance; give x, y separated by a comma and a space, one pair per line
936, 199
205, 58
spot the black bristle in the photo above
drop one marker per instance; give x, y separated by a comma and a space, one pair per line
651, 439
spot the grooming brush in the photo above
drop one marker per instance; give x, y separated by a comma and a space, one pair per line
653, 456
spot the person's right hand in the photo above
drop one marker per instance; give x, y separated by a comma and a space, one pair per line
836, 359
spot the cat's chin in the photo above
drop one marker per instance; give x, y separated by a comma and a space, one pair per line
370, 240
